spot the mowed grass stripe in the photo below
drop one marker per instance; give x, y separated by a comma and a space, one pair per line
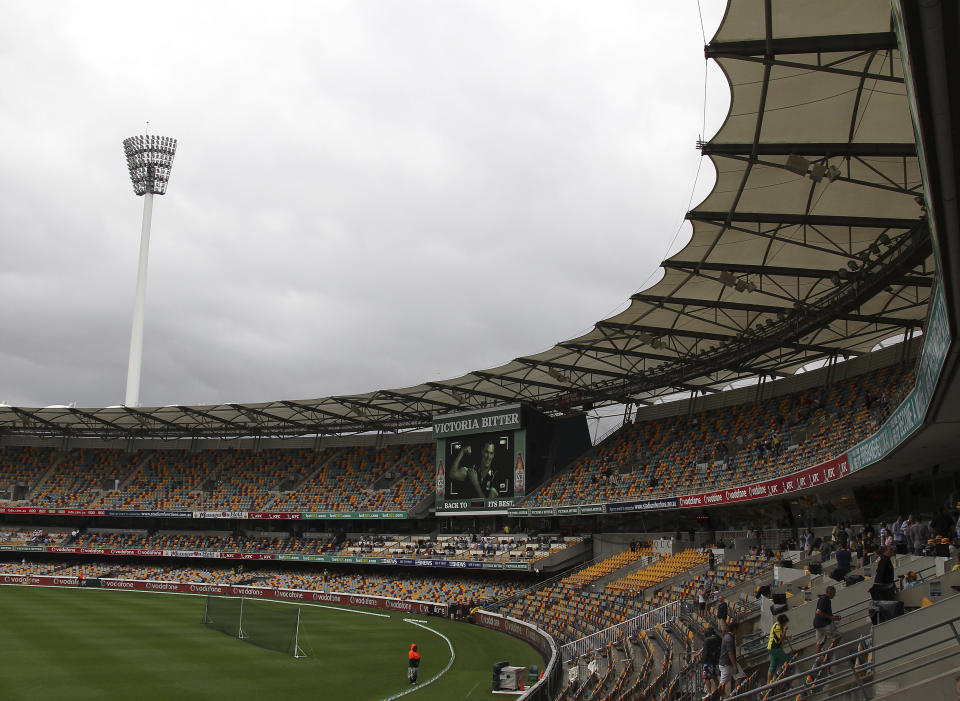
94, 644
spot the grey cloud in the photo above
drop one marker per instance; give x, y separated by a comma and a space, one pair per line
365, 195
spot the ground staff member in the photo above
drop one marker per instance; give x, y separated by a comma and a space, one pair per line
413, 658
778, 635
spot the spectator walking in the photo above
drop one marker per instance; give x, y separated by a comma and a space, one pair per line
883, 587
844, 559
919, 534
723, 610
711, 660
729, 666
899, 535
824, 620
778, 636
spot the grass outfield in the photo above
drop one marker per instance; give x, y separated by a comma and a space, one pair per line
79, 644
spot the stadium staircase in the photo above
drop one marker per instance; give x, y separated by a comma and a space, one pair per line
319, 470
50, 471
697, 571
125, 482
570, 557
423, 507
640, 564
914, 655
501, 605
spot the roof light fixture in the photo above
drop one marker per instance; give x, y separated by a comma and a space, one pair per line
798, 164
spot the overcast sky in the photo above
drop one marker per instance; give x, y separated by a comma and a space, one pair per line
365, 194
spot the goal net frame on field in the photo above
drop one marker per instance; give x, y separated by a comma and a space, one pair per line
231, 616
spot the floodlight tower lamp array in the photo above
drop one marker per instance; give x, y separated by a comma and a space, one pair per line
149, 161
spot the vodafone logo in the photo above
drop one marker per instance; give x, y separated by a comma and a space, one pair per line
691, 501
118, 584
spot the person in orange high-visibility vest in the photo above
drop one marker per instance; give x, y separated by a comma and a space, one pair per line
413, 658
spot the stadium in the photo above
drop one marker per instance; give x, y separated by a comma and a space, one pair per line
786, 447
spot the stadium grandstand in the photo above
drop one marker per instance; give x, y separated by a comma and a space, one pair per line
789, 399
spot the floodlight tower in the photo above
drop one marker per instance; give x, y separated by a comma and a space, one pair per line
149, 160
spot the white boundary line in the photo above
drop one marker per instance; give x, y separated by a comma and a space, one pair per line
413, 621
435, 677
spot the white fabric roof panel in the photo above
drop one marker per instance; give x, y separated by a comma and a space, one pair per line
811, 244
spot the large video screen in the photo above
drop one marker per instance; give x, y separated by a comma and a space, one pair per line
480, 466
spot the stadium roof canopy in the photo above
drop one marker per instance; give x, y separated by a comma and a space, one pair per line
813, 244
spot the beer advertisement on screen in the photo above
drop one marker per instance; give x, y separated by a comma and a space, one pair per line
480, 467
480, 460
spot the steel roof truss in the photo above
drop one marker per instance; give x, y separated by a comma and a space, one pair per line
421, 398
873, 41
343, 419
146, 419
893, 187
539, 364
93, 417
884, 223
498, 379
474, 391
819, 68
32, 417
251, 412
654, 330
203, 415
819, 149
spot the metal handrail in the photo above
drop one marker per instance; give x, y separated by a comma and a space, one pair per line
789, 690
614, 633
859, 606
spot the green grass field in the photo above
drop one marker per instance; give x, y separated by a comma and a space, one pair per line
79, 644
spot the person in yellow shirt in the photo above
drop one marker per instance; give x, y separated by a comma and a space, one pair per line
778, 636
